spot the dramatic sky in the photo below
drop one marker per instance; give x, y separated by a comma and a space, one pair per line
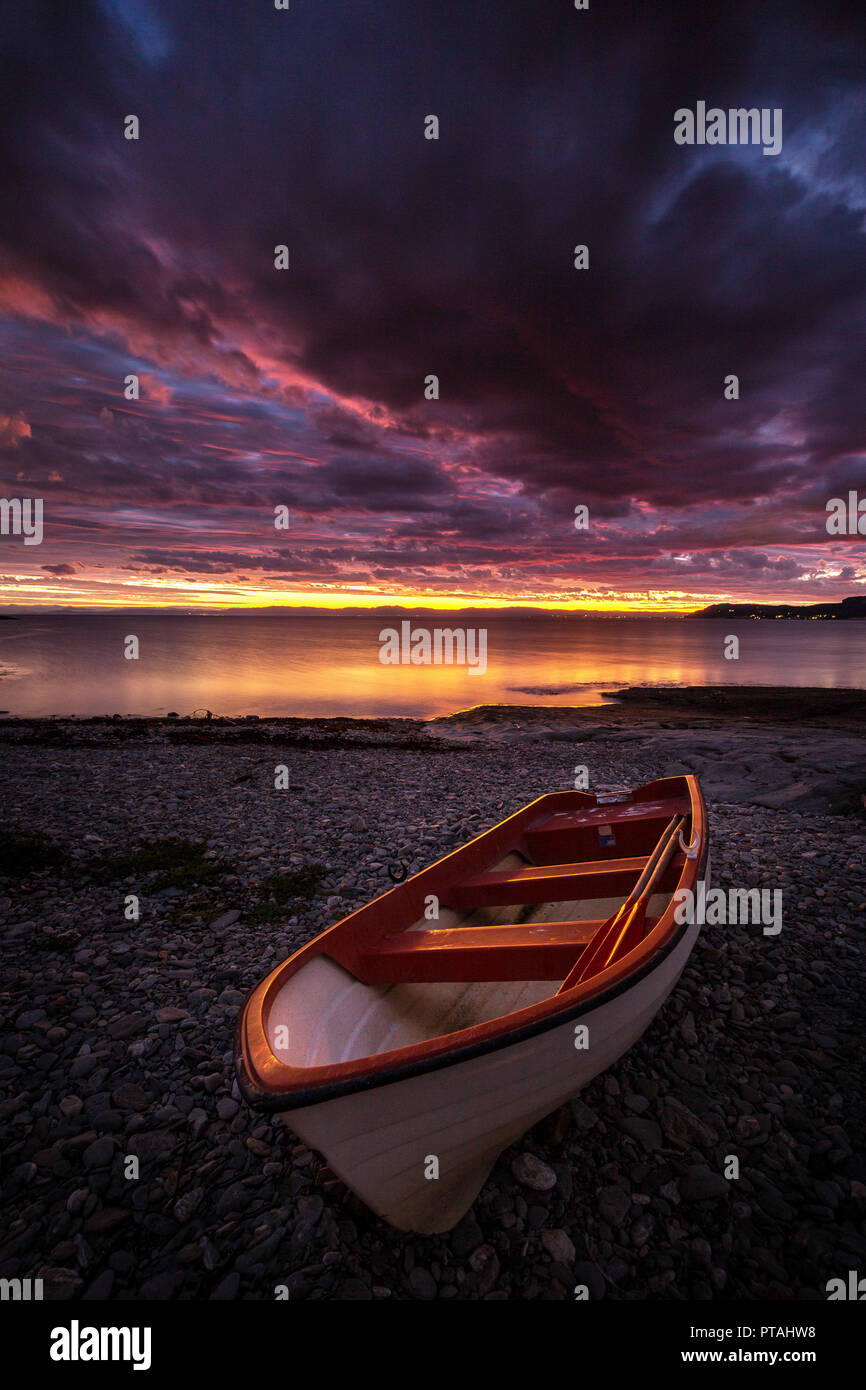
304, 388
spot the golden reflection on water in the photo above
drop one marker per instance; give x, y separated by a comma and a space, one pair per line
247, 663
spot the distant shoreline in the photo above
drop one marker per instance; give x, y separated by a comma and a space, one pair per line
657, 706
847, 609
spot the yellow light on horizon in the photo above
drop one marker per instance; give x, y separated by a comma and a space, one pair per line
151, 591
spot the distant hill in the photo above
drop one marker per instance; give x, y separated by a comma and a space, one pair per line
848, 608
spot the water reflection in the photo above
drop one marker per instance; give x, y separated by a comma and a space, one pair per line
282, 664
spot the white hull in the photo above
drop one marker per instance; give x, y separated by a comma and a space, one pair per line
380, 1141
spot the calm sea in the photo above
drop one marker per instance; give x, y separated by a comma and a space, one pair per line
284, 664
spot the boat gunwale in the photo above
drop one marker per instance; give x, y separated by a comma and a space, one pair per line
277, 1086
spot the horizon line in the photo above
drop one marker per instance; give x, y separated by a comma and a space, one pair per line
396, 606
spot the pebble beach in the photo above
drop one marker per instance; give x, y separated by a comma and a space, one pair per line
117, 1034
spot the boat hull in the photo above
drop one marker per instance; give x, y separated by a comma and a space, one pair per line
382, 1142
411, 1051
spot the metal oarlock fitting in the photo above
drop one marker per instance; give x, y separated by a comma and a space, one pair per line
690, 851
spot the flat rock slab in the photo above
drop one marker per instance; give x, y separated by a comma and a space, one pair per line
781, 770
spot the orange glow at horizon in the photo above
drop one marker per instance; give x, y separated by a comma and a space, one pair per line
34, 592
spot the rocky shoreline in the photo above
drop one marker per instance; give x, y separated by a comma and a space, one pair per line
117, 1034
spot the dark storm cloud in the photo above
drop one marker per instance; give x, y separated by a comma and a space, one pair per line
412, 257
310, 565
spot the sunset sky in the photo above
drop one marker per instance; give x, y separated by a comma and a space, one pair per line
305, 388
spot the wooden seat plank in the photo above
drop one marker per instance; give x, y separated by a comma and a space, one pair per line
526, 951
634, 827
548, 883
611, 814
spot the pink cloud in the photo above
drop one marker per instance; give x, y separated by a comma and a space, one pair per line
13, 428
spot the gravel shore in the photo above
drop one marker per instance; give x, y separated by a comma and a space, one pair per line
117, 1034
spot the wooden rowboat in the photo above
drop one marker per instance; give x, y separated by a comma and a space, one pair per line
410, 1049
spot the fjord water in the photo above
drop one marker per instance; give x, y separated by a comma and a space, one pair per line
287, 664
